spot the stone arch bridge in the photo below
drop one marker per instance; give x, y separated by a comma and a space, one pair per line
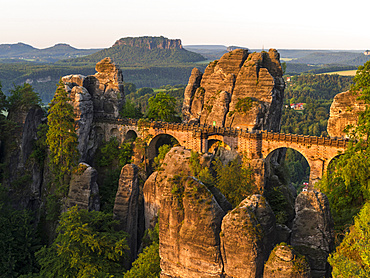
318, 151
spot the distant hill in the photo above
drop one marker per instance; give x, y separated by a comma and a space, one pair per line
25, 52
211, 52
143, 51
333, 57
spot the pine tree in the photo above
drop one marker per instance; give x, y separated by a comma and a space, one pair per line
61, 137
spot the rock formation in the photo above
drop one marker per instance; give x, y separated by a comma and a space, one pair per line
83, 189
313, 231
247, 237
240, 90
24, 172
150, 43
190, 219
126, 206
343, 111
99, 95
285, 262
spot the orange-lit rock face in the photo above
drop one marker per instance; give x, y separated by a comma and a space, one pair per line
238, 77
343, 111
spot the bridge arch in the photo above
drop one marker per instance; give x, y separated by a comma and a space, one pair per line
297, 165
131, 135
158, 141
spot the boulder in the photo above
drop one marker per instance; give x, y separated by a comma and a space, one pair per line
83, 188
285, 262
313, 231
344, 111
126, 206
247, 237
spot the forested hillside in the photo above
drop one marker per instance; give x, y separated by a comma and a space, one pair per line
317, 93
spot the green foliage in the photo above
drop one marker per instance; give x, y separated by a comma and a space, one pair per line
22, 98
352, 256
130, 110
110, 158
61, 138
40, 147
162, 107
112, 153
162, 151
316, 87
347, 180
148, 263
18, 240
278, 203
243, 105
87, 245
234, 180
312, 120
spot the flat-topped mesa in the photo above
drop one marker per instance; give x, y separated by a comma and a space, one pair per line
150, 43
241, 90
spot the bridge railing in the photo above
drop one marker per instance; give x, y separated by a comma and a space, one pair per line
229, 131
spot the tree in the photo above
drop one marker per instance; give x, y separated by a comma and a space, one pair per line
352, 256
61, 137
22, 97
162, 107
129, 110
18, 239
147, 265
87, 245
346, 182
234, 180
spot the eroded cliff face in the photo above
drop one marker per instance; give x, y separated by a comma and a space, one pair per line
313, 231
241, 90
343, 111
247, 237
99, 95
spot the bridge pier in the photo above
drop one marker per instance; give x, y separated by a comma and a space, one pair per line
316, 172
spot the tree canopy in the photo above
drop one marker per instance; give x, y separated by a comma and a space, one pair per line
61, 136
162, 107
347, 180
87, 245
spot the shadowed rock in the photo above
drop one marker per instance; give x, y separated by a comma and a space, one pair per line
313, 231
83, 189
126, 206
247, 237
285, 262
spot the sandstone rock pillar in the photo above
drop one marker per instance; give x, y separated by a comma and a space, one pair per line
126, 208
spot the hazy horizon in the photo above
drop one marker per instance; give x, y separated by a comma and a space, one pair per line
287, 24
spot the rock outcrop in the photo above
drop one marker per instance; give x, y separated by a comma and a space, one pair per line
343, 111
190, 219
83, 110
83, 189
126, 206
240, 90
285, 262
247, 237
99, 95
189, 228
313, 231
150, 43
24, 171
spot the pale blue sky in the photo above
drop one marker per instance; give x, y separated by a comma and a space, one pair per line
315, 24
